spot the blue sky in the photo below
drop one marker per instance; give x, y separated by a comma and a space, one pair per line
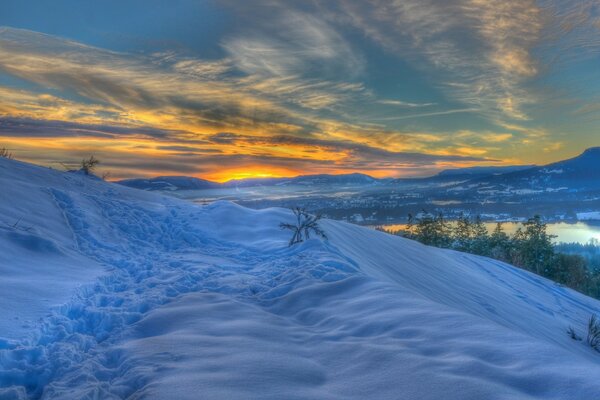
231, 89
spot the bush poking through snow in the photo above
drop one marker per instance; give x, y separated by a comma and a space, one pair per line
18, 226
571, 332
593, 336
4, 153
305, 224
88, 165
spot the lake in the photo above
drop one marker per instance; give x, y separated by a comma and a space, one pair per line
580, 232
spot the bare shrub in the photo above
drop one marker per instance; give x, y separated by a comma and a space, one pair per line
4, 153
571, 332
88, 165
18, 226
305, 225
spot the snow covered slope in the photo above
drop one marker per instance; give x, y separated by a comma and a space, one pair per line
122, 293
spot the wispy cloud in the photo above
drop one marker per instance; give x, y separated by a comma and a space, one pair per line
482, 53
178, 103
480, 50
429, 114
294, 43
401, 103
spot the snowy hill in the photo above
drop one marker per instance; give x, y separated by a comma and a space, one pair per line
112, 292
166, 183
579, 174
482, 171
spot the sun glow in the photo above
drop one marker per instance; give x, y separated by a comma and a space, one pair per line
253, 171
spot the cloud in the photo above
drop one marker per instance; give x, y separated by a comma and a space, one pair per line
401, 103
179, 103
26, 127
482, 53
142, 89
480, 49
430, 114
176, 92
354, 151
294, 43
131, 151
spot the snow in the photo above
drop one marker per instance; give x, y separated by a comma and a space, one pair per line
123, 293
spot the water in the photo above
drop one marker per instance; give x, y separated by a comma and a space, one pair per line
579, 232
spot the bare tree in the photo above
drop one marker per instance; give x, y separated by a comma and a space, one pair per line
88, 165
571, 332
305, 225
17, 225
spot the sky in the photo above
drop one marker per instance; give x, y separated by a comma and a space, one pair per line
232, 89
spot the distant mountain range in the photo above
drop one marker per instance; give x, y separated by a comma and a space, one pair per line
483, 171
170, 183
579, 173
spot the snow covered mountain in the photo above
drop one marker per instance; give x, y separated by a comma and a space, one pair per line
483, 171
169, 183
111, 292
327, 179
580, 174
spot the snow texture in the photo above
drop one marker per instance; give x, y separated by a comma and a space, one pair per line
110, 292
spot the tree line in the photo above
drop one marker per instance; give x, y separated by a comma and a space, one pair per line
530, 247
590, 251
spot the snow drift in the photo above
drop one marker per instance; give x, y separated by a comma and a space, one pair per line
111, 292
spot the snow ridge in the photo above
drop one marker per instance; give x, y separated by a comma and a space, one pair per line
150, 253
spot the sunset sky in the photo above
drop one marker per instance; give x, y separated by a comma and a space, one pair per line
232, 89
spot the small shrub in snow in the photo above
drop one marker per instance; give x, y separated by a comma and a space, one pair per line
593, 336
88, 165
571, 332
18, 226
305, 225
4, 153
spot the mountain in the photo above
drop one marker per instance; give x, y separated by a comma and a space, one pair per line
254, 182
307, 180
162, 298
326, 179
482, 171
169, 183
578, 174
173, 183
583, 169
457, 176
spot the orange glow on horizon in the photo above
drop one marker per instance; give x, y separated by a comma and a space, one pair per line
251, 171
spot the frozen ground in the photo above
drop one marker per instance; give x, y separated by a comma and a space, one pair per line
109, 292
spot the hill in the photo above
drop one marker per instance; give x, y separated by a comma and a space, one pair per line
563, 190
169, 183
483, 171
161, 298
172, 183
581, 173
